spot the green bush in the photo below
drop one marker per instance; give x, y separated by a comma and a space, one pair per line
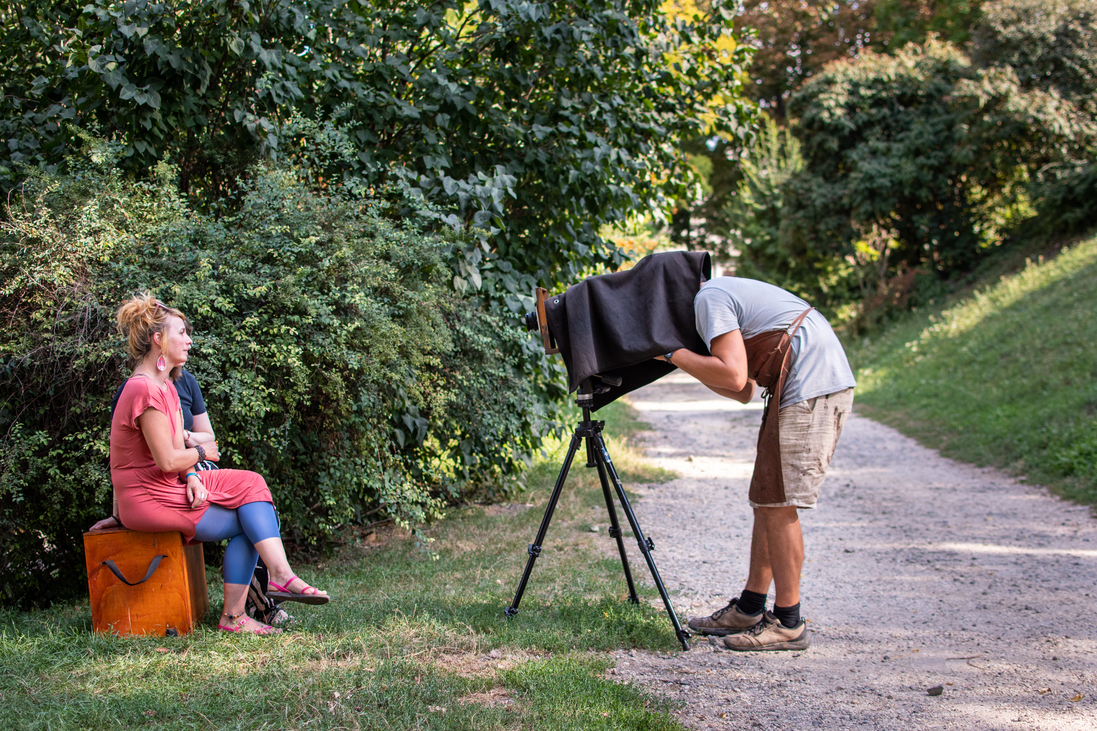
919, 161
1066, 196
924, 144
336, 357
1051, 44
756, 211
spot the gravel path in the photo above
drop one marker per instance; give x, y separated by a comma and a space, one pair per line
920, 572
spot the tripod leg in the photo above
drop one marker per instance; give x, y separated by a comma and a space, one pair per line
615, 530
534, 549
645, 543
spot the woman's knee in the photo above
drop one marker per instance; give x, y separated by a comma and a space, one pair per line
218, 524
259, 521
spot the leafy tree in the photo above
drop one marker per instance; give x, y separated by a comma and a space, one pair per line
916, 21
757, 216
795, 39
1051, 45
754, 213
541, 121
792, 40
532, 124
924, 146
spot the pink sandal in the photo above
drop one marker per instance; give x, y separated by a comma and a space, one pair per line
266, 628
283, 594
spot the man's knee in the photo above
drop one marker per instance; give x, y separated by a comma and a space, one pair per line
777, 515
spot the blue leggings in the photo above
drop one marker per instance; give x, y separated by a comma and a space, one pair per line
243, 527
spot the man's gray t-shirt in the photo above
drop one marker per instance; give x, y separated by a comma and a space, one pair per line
819, 364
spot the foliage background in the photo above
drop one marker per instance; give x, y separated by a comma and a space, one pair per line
538, 121
918, 158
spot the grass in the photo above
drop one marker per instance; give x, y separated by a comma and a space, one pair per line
411, 641
1005, 376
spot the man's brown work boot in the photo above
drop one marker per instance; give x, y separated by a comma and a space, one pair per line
770, 634
726, 621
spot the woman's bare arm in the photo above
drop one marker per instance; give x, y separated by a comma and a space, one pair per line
202, 431
168, 453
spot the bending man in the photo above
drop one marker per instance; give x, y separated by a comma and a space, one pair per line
759, 334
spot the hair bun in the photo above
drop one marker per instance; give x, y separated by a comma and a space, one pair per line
139, 319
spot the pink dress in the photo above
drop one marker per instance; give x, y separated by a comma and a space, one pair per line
149, 499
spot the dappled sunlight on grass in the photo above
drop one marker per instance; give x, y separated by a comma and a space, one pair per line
413, 638
1004, 377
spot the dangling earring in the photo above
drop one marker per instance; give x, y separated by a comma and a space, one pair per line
161, 364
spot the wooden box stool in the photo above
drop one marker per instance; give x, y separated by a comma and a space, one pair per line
163, 586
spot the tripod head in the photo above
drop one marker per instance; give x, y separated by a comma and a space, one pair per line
588, 387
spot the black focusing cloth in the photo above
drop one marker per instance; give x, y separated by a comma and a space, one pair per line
614, 325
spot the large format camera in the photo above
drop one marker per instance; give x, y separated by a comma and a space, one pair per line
611, 327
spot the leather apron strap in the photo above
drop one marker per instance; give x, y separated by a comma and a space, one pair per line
768, 356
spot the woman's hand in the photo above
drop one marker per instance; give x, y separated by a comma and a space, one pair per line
106, 523
212, 453
196, 491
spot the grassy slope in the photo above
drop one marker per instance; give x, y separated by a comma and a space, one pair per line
1006, 376
409, 641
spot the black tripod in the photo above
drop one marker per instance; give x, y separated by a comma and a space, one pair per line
598, 456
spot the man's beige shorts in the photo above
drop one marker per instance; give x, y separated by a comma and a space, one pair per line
809, 434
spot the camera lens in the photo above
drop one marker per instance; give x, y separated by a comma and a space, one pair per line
530, 319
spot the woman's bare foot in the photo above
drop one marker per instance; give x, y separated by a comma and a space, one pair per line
244, 623
294, 589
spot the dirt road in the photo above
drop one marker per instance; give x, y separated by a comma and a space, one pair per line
920, 572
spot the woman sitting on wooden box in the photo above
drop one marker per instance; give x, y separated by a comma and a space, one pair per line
198, 429
156, 486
